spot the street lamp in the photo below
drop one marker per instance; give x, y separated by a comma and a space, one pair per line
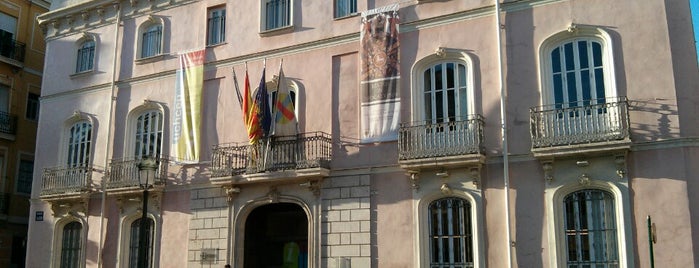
146, 178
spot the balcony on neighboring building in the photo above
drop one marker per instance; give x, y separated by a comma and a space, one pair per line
123, 175
450, 144
60, 182
300, 156
12, 51
585, 127
8, 125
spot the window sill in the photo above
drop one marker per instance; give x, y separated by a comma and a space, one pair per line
355, 14
82, 74
149, 59
216, 45
275, 31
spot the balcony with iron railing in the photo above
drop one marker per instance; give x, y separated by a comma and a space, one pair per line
456, 143
66, 181
282, 157
123, 175
8, 125
584, 127
12, 51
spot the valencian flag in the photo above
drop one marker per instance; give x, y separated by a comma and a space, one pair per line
252, 123
261, 100
186, 122
379, 74
284, 117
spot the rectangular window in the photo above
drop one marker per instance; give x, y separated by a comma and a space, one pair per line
151, 41
8, 28
216, 25
277, 14
344, 8
32, 107
24, 176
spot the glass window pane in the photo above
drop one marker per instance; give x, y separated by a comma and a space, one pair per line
582, 54
572, 89
569, 58
597, 54
438, 77
556, 60
450, 75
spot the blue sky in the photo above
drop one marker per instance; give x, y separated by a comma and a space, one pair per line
694, 4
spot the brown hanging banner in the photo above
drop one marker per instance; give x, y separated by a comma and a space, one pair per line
380, 73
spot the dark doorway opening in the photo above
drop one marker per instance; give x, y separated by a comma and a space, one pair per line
276, 235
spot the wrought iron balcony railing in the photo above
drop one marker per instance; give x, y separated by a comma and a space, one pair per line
5, 203
8, 123
302, 151
64, 180
420, 140
123, 173
589, 121
11, 48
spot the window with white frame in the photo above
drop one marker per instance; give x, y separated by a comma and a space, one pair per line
79, 144
590, 229
32, 112
71, 245
450, 233
216, 26
444, 92
276, 14
151, 39
344, 8
86, 56
25, 175
577, 73
149, 134
135, 245
577, 68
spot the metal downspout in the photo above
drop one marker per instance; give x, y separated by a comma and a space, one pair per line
503, 123
108, 147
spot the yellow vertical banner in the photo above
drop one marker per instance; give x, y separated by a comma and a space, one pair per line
186, 116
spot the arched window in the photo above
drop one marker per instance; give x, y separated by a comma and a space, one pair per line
150, 38
79, 144
590, 229
444, 92
577, 68
577, 73
148, 134
450, 233
70, 245
86, 56
135, 245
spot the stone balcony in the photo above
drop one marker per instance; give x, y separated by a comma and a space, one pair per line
123, 175
305, 156
441, 145
66, 182
582, 128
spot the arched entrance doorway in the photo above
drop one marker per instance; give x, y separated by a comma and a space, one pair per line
276, 235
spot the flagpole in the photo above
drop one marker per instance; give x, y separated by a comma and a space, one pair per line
268, 138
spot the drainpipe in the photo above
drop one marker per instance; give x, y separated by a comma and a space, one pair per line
108, 148
503, 123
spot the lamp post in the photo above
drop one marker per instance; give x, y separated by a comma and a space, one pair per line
146, 178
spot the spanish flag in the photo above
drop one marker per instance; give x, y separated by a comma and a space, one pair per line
250, 110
